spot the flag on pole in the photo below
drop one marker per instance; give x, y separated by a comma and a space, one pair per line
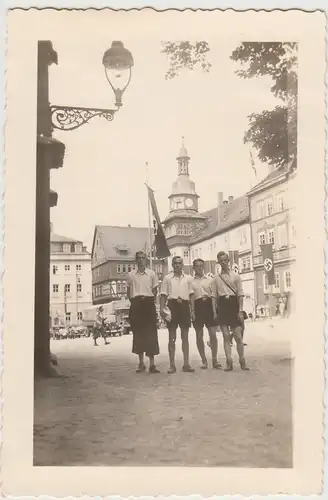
161, 247
234, 260
253, 163
267, 252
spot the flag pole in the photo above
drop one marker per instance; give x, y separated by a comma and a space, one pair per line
270, 302
149, 224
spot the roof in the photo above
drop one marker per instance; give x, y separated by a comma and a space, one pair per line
56, 238
274, 175
232, 214
184, 214
122, 238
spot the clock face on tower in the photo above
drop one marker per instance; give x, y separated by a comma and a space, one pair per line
189, 202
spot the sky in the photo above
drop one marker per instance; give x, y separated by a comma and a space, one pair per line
102, 181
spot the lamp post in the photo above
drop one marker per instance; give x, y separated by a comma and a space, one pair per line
118, 63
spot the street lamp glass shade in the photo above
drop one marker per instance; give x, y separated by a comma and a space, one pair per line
118, 62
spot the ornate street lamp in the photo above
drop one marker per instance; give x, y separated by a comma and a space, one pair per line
118, 62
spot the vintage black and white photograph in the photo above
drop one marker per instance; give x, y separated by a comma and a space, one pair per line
166, 237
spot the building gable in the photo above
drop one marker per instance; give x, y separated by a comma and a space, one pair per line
98, 253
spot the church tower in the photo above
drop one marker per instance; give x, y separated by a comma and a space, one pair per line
183, 219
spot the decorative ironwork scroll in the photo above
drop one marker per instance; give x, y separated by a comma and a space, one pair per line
71, 118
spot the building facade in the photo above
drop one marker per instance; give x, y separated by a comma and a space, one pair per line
70, 280
272, 216
113, 257
191, 234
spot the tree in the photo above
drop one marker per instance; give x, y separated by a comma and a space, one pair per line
182, 55
273, 132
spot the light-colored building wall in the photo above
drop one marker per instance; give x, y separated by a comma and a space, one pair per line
237, 238
272, 211
70, 284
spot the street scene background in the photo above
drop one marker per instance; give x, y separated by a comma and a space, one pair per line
222, 161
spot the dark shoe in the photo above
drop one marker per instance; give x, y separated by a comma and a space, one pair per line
188, 369
95, 345
216, 365
204, 366
171, 370
141, 368
243, 365
153, 369
229, 366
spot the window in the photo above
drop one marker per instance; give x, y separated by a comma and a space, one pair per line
124, 287
134, 267
119, 268
66, 248
123, 268
281, 202
243, 236
288, 280
67, 267
271, 236
260, 210
55, 288
78, 267
261, 238
79, 287
270, 207
78, 248
67, 288
283, 235
277, 281
265, 283
72, 248
68, 317
54, 269
185, 254
246, 263
79, 316
129, 268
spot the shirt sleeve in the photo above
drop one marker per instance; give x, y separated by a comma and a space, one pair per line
165, 286
213, 288
154, 280
239, 284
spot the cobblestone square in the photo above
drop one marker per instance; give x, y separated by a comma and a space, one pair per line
103, 413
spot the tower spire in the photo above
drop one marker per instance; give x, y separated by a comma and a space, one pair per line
183, 160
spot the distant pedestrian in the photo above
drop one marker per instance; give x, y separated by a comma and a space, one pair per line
229, 294
99, 327
142, 285
175, 293
203, 312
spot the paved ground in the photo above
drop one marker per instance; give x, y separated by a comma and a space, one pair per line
104, 413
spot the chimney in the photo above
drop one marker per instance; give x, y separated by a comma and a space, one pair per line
219, 205
230, 199
220, 199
